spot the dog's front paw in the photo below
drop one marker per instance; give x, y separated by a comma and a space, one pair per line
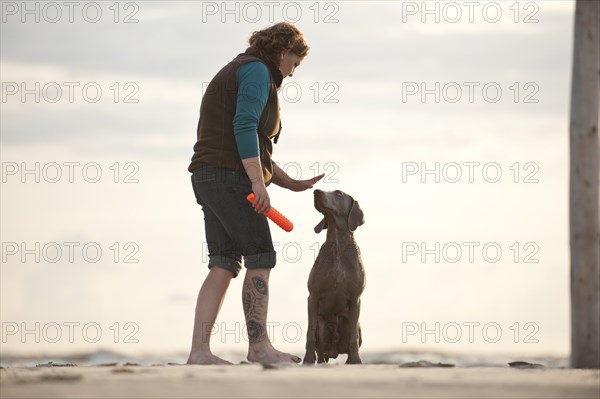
309, 358
353, 359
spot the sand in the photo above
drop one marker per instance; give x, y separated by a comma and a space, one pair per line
255, 381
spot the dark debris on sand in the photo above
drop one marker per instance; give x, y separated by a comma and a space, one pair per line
276, 366
425, 363
525, 365
52, 364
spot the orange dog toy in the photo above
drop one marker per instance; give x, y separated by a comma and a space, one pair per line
275, 216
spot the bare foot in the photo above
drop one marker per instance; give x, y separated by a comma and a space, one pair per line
268, 354
205, 358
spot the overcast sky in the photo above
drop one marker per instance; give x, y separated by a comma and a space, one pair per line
448, 124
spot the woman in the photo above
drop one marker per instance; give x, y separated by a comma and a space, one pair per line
239, 118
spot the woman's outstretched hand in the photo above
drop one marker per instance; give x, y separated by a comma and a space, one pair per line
301, 185
283, 180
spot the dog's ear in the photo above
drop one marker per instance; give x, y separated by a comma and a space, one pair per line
356, 216
321, 226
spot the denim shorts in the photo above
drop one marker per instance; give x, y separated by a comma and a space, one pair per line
233, 228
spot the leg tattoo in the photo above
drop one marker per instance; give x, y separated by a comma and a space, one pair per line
260, 285
255, 298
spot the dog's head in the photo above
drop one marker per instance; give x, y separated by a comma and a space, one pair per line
339, 208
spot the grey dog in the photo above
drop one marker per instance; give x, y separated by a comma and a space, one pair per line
336, 282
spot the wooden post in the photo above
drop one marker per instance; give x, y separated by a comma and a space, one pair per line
584, 199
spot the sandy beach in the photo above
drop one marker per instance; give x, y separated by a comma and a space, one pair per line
257, 381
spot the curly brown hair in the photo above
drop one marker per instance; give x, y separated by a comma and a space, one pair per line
269, 43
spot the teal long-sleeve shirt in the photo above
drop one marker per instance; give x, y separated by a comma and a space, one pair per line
254, 84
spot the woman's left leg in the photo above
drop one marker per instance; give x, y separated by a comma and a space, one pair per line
255, 298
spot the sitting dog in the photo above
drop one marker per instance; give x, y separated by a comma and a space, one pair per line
336, 282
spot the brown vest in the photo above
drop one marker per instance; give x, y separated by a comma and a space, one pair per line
216, 145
